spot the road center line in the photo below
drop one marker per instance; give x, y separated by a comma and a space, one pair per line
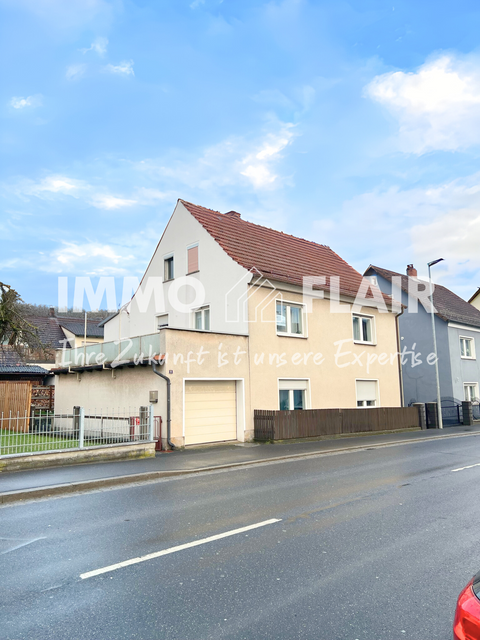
470, 466
181, 547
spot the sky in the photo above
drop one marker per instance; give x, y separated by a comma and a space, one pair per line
352, 124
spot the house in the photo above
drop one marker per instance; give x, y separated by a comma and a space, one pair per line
457, 327
57, 332
475, 299
240, 317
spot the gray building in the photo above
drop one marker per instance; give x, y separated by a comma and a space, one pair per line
457, 325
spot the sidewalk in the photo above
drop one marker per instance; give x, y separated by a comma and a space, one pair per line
36, 483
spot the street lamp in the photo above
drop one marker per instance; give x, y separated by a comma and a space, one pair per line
432, 314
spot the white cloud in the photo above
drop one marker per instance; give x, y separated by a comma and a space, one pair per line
234, 162
69, 14
257, 165
124, 68
21, 103
196, 3
102, 201
90, 258
437, 107
44, 188
99, 45
393, 227
75, 71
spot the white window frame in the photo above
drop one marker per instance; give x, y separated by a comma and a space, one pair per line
192, 246
472, 348
373, 341
170, 256
202, 309
302, 384
373, 280
466, 385
157, 319
377, 394
288, 333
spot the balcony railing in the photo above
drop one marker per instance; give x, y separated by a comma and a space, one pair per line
126, 350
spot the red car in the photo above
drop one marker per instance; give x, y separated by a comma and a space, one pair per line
467, 616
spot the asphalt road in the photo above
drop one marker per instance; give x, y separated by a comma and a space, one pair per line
370, 545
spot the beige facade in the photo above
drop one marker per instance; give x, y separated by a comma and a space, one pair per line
252, 369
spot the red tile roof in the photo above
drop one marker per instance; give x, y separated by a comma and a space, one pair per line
276, 255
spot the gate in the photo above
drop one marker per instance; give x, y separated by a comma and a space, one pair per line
452, 414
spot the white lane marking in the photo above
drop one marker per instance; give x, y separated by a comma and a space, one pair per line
181, 547
470, 466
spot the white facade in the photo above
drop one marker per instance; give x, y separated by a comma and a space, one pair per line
217, 274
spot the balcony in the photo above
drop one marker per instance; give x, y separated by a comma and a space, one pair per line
113, 354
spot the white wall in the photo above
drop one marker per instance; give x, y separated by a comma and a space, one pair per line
218, 273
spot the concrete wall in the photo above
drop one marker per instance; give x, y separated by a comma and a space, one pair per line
217, 273
333, 378
121, 390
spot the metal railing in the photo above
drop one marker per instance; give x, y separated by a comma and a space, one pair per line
45, 431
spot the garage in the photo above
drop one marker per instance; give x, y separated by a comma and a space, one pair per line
210, 411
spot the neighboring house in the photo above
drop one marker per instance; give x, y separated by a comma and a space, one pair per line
457, 327
58, 332
475, 299
222, 302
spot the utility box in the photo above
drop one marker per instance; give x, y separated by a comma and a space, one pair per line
153, 397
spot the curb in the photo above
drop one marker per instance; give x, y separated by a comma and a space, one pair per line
10, 497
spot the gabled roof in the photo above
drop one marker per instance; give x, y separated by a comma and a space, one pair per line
448, 305
50, 329
477, 292
77, 327
274, 254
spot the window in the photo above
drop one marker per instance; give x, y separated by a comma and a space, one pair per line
192, 259
373, 280
289, 319
362, 329
202, 319
168, 273
467, 348
471, 391
292, 394
366, 393
162, 321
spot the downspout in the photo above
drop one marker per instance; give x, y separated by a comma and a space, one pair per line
169, 442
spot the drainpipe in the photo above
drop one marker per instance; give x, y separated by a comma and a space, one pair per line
169, 442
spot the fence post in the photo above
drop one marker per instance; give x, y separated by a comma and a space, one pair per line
467, 412
150, 423
144, 423
422, 414
81, 427
432, 415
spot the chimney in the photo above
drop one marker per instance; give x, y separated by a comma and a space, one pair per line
233, 214
52, 312
411, 271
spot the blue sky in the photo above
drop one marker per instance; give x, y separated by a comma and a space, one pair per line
353, 124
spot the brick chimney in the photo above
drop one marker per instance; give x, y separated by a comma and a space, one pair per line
411, 271
52, 312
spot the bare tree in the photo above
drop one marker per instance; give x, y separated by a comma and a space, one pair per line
16, 332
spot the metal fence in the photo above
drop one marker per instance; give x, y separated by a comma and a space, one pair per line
44, 430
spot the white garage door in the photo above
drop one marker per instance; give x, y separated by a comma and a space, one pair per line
210, 411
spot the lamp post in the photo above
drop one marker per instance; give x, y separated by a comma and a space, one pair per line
432, 314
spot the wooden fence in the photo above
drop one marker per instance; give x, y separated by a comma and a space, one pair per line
15, 399
283, 425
